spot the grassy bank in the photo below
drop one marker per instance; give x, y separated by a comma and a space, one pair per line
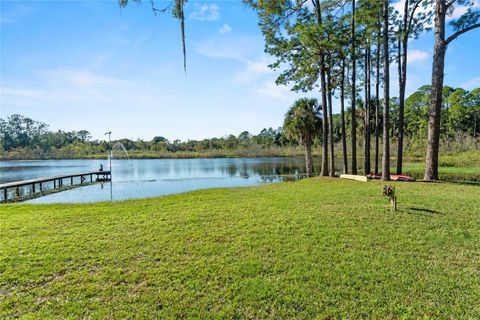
468, 173
447, 158
316, 248
460, 166
252, 152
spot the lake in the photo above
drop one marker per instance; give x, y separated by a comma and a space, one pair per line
156, 177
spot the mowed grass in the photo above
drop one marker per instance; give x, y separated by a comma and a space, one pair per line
451, 174
461, 166
317, 248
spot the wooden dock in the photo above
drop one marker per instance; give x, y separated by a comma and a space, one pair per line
39, 185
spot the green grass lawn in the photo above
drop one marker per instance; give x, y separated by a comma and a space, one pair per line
464, 173
420, 167
459, 166
318, 248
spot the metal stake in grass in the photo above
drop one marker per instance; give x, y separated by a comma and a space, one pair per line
389, 191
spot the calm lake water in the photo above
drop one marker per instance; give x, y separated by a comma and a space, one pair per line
149, 178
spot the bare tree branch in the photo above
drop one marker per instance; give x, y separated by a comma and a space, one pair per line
412, 15
460, 32
449, 4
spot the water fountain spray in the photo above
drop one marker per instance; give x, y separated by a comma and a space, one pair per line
109, 142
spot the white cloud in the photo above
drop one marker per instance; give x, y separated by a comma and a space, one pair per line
206, 12
18, 12
270, 90
460, 10
213, 49
471, 84
21, 92
82, 79
259, 66
67, 85
5, 20
240, 48
225, 29
254, 71
417, 55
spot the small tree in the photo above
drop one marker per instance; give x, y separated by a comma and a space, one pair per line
303, 122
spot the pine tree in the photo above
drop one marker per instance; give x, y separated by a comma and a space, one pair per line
411, 24
386, 94
468, 21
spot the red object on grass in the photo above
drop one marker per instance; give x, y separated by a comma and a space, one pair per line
393, 177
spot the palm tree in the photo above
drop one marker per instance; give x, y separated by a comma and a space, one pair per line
303, 121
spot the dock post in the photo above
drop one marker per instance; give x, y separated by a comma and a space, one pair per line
71, 181
41, 187
5, 194
33, 187
17, 192
91, 178
54, 184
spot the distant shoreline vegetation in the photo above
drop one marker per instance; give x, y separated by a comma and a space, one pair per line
22, 138
69, 153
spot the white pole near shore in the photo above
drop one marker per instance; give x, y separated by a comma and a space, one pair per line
110, 164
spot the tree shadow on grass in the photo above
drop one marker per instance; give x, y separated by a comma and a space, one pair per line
424, 211
467, 183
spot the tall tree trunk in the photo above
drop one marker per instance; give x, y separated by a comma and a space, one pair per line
308, 157
386, 97
342, 111
330, 120
402, 82
354, 94
377, 100
324, 169
433, 140
366, 149
369, 108
399, 71
365, 113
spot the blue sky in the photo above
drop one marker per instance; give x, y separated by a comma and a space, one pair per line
91, 65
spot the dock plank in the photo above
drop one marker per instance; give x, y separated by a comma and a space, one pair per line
47, 179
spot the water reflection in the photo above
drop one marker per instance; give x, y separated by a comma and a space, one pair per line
147, 178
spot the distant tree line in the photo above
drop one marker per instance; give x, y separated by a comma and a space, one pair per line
460, 118
20, 133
